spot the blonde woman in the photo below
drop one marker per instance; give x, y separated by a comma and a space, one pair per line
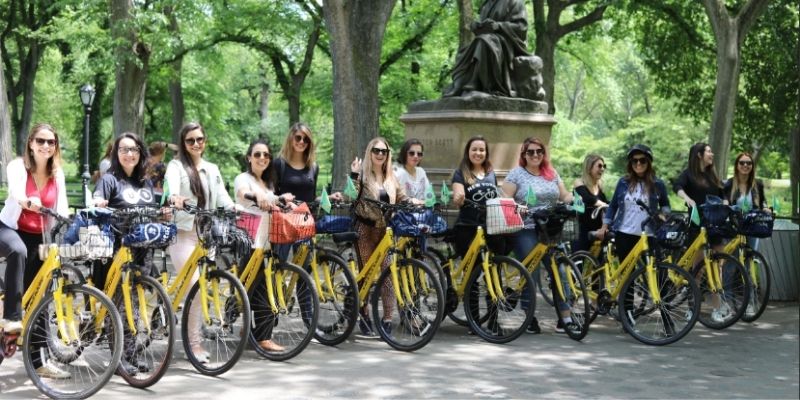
588, 186
375, 180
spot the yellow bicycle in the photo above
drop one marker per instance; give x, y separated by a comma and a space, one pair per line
72, 326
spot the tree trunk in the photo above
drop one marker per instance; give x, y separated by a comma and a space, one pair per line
263, 108
5, 128
356, 29
794, 159
131, 72
176, 99
546, 50
729, 33
27, 79
465, 18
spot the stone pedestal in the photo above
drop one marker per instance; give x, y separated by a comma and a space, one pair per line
444, 126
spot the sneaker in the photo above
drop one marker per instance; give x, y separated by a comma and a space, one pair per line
11, 327
365, 326
572, 327
50, 371
533, 327
201, 355
750, 309
717, 316
560, 327
128, 368
387, 327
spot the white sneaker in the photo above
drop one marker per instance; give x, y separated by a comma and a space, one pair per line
11, 326
50, 371
717, 316
750, 309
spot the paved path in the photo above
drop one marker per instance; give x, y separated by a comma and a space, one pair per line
745, 361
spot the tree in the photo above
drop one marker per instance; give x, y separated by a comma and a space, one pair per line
133, 57
549, 30
465, 19
356, 29
5, 127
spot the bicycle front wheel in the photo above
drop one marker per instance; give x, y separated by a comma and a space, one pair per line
214, 345
408, 323
761, 280
338, 308
147, 351
86, 359
664, 321
723, 303
593, 280
292, 325
500, 317
571, 299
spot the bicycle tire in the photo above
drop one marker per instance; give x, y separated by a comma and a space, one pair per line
543, 284
577, 301
668, 321
432, 260
226, 335
154, 347
736, 287
294, 326
507, 319
92, 352
415, 324
338, 313
759, 295
593, 279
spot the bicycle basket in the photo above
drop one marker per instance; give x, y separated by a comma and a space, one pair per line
88, 237
550, 229
502, 216
756, 223
151, 235
405, 223
672, 233
336, 221
715, 218
291, 226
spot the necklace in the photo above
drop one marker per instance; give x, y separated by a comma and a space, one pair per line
533, 173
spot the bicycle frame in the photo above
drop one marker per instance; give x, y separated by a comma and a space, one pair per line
177, 290
700, 243
532, 260
31, 298
324, 284
616, 275
464, 269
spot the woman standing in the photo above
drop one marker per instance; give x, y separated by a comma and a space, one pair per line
35, 180
194, 181
744, 187
591, 191
624, 216
409, 174
699, 180
375, 180
259, 181
535, 173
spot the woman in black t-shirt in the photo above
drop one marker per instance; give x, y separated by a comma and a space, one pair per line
698, 181
591, 191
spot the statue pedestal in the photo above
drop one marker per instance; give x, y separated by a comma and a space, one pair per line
444, 126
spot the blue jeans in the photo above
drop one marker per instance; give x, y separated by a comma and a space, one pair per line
523, 243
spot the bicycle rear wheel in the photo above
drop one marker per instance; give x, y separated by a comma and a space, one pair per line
294, 324
761, 281
149, 350
575, 300
214, 346
721, 309
412, 325
542, 279
339, 309
88, 360
659, 322
504, 318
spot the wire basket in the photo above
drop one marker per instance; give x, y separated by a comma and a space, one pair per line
555, 225
218, 227
144, 227
716, 218
755, 223
673, 233
292, 225
86, 236
503, 217
338, 220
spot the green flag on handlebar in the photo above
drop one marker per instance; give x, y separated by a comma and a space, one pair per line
577, 203
695, 217
324, 201
350, 190
530, 197
164, 195
430, 197
776, 205
445, 196
746, 204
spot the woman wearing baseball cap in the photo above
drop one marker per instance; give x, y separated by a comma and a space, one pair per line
624, 216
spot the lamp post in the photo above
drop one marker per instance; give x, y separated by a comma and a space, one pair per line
87, 98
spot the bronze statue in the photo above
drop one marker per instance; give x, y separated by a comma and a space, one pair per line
497, 61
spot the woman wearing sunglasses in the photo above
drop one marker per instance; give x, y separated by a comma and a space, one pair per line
623, 215
589, 187
35, 180
193, 180
535, 174
375, 180
744, 188
409, 174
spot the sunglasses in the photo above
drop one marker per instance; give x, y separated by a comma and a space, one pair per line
377, 151
639, 160
534, 152
192, 141
746, 163
262, 154
50, 142
601, 166
415, 153
131, 150
302, 138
